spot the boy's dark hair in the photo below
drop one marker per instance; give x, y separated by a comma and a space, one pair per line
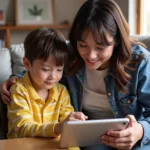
44, 42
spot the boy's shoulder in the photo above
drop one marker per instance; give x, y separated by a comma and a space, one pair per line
60, 86
18, 86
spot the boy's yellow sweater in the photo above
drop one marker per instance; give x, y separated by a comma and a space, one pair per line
31, 116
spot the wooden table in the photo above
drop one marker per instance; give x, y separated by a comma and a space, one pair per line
30, 144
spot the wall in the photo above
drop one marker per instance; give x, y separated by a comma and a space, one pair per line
129, 8
64, 9
124, 7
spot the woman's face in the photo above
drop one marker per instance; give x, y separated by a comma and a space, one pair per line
95, 55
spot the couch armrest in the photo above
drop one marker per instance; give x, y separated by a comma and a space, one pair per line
17, 54
5, 64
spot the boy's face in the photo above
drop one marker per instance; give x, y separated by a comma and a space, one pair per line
44, 74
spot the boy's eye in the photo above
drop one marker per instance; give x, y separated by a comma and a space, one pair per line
44, 69
60, 69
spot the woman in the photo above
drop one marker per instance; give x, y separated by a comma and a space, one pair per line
108, 74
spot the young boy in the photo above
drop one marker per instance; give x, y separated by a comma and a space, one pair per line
39, 103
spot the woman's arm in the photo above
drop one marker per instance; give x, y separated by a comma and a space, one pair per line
139, 131
5, 95
124, 139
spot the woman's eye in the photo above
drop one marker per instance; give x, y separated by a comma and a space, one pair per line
59, 70
81, 45
100, 48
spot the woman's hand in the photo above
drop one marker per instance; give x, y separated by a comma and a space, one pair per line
124, 139
5, 89
74, 116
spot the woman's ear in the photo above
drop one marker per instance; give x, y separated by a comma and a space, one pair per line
26, 63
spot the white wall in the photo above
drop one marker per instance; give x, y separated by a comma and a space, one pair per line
64, 10
132, 13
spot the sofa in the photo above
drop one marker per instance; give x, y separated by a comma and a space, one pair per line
11, 63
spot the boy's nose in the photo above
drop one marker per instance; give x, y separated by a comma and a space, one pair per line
52, 75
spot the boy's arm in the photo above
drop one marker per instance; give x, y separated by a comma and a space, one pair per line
66, 107
21, 117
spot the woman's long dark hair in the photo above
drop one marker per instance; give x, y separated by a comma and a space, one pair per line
103, 17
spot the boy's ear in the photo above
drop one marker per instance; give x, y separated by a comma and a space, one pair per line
26, 63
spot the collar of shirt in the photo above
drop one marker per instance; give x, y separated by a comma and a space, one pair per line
53, 92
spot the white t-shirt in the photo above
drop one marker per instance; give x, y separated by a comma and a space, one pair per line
95, 102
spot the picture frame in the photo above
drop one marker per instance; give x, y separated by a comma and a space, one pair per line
2, 17
34, 12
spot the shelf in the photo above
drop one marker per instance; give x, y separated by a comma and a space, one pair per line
31, 27
9, 28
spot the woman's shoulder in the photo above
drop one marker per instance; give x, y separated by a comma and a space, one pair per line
138, 50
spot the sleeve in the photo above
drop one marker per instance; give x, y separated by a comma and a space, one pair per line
74, 148
66, 107
21, 119
20, 75
144, 99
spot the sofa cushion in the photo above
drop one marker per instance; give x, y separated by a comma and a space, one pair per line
17, 54
144, 39
5, 65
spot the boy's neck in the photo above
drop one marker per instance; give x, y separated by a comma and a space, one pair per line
43, 93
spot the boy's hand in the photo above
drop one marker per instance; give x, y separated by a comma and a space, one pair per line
5, 89
74, 116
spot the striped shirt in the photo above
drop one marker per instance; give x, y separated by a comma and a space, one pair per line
30, 116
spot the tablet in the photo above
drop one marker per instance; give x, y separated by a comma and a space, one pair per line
87, 133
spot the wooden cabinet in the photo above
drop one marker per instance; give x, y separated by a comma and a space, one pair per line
8, 29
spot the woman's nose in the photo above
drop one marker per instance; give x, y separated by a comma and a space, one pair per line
92, 54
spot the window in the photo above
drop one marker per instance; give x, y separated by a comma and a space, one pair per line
143, 24
146, 17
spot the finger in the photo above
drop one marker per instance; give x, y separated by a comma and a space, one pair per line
116, 140
6, 100
79, 116
132, 120
86, 117
14, 79
119, 134
83, 117
123, 146
5, 91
